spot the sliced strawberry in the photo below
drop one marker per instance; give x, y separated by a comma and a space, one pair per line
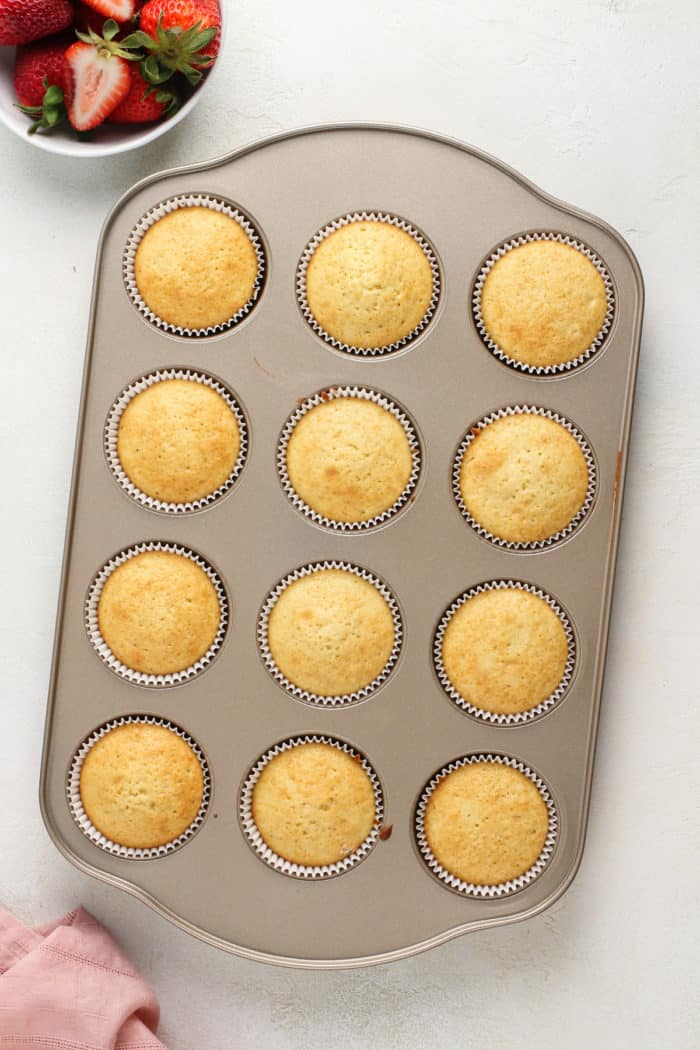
96, 82
119, 10
144, 103
22, 21
36, 62
87, 18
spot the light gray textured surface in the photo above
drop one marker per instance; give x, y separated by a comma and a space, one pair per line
597, 102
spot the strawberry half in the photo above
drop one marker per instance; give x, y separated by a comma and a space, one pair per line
119, 10
144, 103
22, 21
97, 77
87, 18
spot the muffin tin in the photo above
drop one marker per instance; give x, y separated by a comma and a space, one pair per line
407, 729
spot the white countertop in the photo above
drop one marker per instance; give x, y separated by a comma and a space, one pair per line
595, 101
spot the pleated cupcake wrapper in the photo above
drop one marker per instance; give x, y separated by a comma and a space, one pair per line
81, 818
111, 436
502, 355
159, 211
365, 394
534, 545
332, 227
501, 889
100, 645
287, 867
490, 716
304, 694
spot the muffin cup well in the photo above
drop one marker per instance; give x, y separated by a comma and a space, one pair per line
100, 646
490, 716
287, 867
502, 355
518, 545
111, 434
304, 694
365, 394
159, 211
346, 220
501, 889
85, 824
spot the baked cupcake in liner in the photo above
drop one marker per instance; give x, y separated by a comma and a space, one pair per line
304, 694
493, 717
492, 345
167, 207
111, 435
576, 520
101, 647
272, 859
477, 890
81, 818
364, 394
346, 220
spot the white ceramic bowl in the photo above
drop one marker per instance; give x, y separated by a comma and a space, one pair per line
109, 139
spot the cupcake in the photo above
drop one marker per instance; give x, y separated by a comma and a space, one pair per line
523, 477
349, 459
543, 303
158, 612
369, 284
141, 785
486, 823
330, 633
196, 268
314, 804
504, 650
178, 441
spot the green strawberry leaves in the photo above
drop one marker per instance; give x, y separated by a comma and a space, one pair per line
50, 113
172, 51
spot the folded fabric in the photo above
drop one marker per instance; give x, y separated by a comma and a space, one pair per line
67, 986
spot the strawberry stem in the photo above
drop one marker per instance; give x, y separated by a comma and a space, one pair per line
50, 113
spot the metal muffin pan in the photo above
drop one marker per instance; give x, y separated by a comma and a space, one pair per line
390, 906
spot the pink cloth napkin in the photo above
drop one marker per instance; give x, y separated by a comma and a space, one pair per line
67, 986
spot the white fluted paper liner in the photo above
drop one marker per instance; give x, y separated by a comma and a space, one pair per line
304, 694
81, 818
491, 716
287, 867
502, 355
533, 545
337, 224
111, 437
365, 394
100, 646
159, 211
501, 889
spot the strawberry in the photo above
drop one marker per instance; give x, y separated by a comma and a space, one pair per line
180, 36
22, 21
119, 10
144, 103
87, 18
97, 77
36, 62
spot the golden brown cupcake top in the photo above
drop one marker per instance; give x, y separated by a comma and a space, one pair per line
178, 441
505, 650
141, 785
524, 477
195, 268
314, 804
159, 612
543, 303
349, 459
486, 823
331, 632
369, 284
